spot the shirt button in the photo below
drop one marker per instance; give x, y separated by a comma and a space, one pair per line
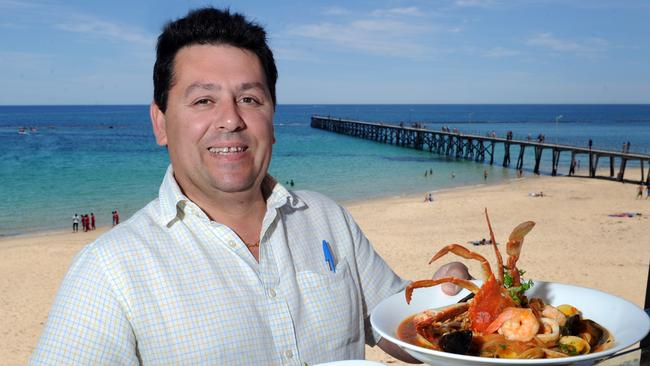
272, 293
289, 354
232, 244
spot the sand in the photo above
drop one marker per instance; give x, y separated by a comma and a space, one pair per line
574, 241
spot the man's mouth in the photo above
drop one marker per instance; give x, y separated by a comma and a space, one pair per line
227, 150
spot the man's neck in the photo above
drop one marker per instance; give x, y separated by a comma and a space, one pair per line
234, 209
243, 212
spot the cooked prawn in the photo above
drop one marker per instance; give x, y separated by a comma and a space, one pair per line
516, 324
553, 313
550, 330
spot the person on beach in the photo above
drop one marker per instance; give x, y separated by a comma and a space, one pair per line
485, 174
639, 193
75, 223
226, 266
116, 217
92, 221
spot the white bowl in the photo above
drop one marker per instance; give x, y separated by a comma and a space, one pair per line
627, 322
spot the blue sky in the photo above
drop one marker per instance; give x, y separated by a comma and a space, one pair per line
446, 51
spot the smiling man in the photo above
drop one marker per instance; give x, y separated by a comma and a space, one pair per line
226, 266
218, 126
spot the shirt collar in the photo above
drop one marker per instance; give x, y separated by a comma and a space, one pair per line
174, 205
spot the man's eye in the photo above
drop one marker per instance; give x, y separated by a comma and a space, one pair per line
202, 101
248, 100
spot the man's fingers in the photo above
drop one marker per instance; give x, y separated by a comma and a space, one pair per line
452, 269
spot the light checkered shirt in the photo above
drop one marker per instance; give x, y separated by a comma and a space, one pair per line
172, 287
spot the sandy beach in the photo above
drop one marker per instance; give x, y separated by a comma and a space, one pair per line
575, 241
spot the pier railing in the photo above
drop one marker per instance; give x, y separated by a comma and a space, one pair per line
482, 148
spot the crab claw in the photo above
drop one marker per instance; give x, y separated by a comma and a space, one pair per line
513, 248
428, 283
516, 238
465, 253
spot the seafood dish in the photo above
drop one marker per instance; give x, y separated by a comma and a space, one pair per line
497, 320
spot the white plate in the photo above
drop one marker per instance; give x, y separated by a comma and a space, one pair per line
627, 322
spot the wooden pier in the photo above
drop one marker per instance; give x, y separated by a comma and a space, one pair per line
482, 148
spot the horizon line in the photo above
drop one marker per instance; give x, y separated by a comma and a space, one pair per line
334, 104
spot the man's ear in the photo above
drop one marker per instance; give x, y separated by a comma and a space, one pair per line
158, 123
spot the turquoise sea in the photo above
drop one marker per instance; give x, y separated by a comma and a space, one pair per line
82, 159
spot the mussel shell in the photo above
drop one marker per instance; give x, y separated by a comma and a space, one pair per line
601, 338
573, 325
574, 345
456, 342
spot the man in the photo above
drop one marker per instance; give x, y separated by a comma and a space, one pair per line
226, 267
75, 223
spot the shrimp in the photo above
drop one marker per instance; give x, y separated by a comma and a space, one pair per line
553, 313
550, 330
516, 324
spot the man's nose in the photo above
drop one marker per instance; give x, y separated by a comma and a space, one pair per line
228, 117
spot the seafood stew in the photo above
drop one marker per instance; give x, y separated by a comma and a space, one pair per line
577, 336
499, 321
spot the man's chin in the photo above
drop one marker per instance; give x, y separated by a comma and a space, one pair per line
231, 186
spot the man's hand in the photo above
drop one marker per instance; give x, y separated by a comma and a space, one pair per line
453, 269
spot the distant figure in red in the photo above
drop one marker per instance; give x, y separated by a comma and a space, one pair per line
92, 221
84, 222
116, 218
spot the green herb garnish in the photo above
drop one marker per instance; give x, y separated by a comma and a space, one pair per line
569, 350
516, 292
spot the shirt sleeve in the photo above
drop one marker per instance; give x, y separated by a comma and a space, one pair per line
377, 280
86, 324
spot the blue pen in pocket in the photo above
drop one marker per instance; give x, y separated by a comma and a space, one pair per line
329, 258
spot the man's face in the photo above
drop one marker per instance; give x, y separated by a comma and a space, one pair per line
219, 121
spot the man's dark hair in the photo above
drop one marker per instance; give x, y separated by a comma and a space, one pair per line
214, 27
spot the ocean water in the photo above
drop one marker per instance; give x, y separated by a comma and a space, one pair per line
84, 159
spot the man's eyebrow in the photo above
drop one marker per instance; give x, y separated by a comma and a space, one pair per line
203, 86
253, 85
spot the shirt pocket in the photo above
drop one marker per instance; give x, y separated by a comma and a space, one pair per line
330, 307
